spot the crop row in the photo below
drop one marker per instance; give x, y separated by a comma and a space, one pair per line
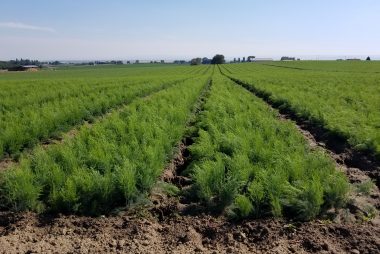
108, 164
346, 104
248, 163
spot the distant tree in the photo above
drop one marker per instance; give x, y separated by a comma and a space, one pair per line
196, 61
238, 60
19, 62
55, 63
179, 62
218, 59
115, 62
205, 60
243, 59
3, 64
235, 60
162, 61
368, 58
137, 61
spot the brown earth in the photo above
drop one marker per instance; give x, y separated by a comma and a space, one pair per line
6, 163
29, 233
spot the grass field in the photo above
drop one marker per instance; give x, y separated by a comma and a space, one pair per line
88, 140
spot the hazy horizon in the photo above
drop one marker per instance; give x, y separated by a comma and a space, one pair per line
173, 30
228, 58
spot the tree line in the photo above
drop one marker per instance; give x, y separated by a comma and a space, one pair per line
217, 59
18, 62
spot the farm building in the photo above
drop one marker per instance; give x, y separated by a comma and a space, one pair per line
24, 68
30, 67
287, 58
251, 58
262, 59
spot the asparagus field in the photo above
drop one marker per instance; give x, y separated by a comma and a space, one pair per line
42, 109
343, 98
227, 145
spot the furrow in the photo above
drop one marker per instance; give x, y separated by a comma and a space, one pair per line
181, 159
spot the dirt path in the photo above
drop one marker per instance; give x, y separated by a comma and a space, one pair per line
181, 158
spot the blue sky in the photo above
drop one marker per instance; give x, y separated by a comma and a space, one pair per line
174, 29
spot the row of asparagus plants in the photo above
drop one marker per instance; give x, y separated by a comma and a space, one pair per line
249, 163
108, 164
23, 128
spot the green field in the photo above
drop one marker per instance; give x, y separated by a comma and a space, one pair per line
88, 140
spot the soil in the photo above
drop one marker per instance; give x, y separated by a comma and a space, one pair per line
30, 233
5, 163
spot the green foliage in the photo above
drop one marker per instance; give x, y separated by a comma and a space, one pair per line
168, 188
218, 59
111, 163
42, 107
126, 180
248, 162
342, 97
243, 205
304, 202
18, 190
